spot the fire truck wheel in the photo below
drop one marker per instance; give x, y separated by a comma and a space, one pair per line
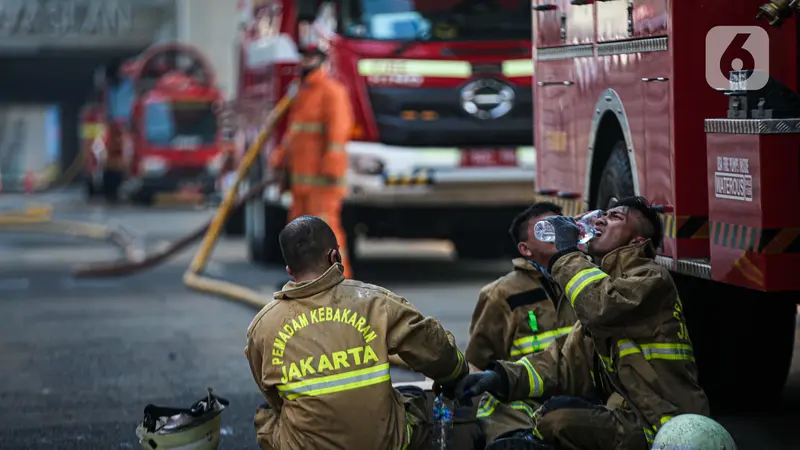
265, 250
234, 226
616, 180
743, 342
91, 192
112, 180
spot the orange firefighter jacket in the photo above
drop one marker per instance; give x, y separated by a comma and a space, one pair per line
639, 346
319, 353
320, 124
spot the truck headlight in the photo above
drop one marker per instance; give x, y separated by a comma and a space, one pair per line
366, 165
153, 165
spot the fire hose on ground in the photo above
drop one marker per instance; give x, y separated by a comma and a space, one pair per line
39, 219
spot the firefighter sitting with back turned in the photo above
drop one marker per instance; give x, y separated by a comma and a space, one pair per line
313, 151
518, 315
642, 365
319, 353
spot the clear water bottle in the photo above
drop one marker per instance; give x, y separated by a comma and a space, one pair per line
544, 231
442, 423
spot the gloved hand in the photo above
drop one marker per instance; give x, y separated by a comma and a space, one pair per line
567, 232
476, 384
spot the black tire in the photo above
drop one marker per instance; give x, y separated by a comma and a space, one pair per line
616, 180
266, 250
112, 180
234, 226
91, 192
743, 342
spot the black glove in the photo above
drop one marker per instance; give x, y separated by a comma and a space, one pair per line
476, 384
567, 232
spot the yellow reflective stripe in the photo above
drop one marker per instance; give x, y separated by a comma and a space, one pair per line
518, 68
409, 430
457, 371
581, 280
418, 67
317, 181
336, 383
534, 380
307, 127
663, 351
649, 435
91, 131
537, 342
608, 363
487, 406
337, 147
665, 419
522, 406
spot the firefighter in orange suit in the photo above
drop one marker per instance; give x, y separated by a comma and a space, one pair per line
518, 315
313, 150
639, 365
319, 354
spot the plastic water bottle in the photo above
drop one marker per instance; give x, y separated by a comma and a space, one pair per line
544, 231
442, 423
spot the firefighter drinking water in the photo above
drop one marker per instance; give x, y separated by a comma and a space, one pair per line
319, 353
518, 315
312, 153
635, 353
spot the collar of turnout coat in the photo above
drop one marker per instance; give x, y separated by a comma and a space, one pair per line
327, 280
625, 257
523, 264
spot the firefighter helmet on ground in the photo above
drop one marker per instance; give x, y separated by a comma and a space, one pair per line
197, 427
693, 432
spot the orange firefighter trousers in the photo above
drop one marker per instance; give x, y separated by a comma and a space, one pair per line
325, 203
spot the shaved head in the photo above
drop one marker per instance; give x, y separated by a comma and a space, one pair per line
305, 243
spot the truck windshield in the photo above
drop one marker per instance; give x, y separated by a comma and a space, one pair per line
180, 124
441, 20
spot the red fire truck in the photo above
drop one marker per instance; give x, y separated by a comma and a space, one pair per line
442, 97
165, 105
631, 100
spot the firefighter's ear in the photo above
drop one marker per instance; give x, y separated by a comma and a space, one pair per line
334, 257
524, 250
289, 272
638, 240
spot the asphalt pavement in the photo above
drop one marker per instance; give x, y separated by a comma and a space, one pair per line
79, 359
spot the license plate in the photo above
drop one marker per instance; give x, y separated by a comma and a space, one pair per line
492, 157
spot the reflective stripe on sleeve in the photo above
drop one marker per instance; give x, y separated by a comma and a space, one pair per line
537, 342
312, 180
340, 382
489, 404
457, 371
307, 127
670, 352
581, 280
333, 147
534, 380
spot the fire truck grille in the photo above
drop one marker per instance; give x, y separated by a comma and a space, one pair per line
441, 117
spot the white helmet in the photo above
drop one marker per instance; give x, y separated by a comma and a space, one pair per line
693, 432
197, 427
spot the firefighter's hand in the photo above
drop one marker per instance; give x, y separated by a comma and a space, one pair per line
477, 383
567, 232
